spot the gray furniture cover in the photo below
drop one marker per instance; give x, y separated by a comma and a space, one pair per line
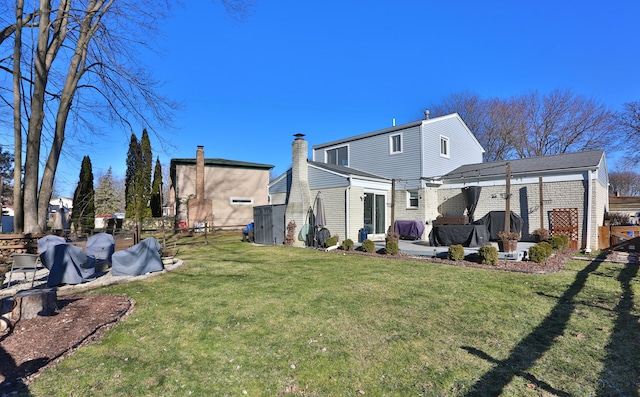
142, 258
101, 246
69, 265
44, 244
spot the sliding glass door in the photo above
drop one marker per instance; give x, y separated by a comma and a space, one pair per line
374, 214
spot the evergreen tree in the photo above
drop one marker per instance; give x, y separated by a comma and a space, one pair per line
84, 214
145, 175
107, 194
156, 202
132, 181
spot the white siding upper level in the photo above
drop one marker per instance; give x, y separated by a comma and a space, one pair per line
409, 152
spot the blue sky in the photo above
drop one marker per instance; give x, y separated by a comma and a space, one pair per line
334, 69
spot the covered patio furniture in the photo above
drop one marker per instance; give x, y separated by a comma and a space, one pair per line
465, 235
142, 258
409, 229
494, 221
101, 246
69, 265
45, 244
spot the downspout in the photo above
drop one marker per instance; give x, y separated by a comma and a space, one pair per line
348, 206
587, 247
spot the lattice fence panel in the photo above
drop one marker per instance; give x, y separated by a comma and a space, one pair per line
565, 221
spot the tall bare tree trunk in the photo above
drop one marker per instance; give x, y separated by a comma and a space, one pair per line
34, 133
17, 126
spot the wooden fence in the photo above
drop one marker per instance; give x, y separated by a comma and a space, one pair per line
619, 238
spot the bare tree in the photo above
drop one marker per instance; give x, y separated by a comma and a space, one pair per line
562, 122
624, 183
81, 62
533, 124
629, 121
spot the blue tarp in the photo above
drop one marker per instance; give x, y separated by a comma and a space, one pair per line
69, 265
142, 258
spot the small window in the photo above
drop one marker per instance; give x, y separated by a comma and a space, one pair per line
444, 146
395, 143
241, 201
338, 156
412, 199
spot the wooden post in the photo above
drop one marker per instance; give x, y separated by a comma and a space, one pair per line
31, 303
507, 210
393, 206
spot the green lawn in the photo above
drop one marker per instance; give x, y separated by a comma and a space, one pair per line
239, 319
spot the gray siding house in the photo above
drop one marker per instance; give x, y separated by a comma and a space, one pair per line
355, 174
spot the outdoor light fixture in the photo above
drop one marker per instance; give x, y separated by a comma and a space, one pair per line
505, 195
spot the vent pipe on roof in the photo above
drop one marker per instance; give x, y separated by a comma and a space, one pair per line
393, 122
427, 113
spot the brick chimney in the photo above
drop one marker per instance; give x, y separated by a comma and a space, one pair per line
200, 209
299, 199
200, 173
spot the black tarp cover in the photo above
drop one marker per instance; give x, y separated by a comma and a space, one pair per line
142, 258
466, 235
494, 221
471, 197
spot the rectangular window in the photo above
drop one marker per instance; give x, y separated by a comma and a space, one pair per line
241, 201
444, 146
395, 143
338, 156
412, 199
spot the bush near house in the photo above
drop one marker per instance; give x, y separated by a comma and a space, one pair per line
456, 252
392, 247
540, 252
488, 255
368, 246
559, 241
331, 241
347, 244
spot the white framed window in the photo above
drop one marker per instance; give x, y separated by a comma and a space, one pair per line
412, 198
337, 156
395, 143
241, 201
444, 146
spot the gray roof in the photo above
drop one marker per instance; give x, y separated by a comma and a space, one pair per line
576, 162
217, 162
341, 169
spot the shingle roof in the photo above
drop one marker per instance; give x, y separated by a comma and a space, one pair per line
341, 169
223, 163
560, 162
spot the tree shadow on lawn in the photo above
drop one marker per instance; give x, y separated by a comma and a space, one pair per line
538, 342
623, 354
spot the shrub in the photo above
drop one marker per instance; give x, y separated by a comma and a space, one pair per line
347, 244
548, 249
392, 247
565, 240
488, 255
368, 246
558, 242
542, 234
331, 241
539, 253
617, 218
456, 252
